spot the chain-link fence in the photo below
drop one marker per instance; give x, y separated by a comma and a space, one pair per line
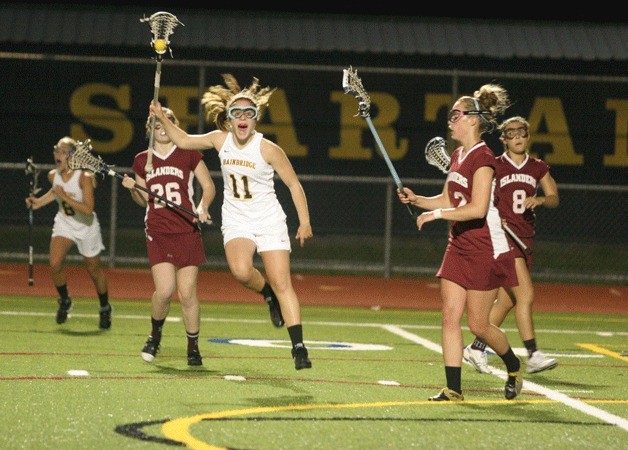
359, 225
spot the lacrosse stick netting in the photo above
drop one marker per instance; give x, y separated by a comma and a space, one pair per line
436, 154
352, 84
162, 25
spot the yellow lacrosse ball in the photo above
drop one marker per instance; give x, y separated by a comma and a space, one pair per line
160, 45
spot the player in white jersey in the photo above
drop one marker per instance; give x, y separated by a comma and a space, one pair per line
252, 218
76, 223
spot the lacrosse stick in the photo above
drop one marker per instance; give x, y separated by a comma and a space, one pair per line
82, 158
162, 25
352, 84
33, 171
436, 154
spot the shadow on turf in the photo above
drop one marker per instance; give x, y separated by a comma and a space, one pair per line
169, 370
81, 333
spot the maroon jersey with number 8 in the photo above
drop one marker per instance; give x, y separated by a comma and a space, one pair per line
514, 183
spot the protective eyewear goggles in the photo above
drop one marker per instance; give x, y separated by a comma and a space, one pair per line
236, 112
456, 114
511, 133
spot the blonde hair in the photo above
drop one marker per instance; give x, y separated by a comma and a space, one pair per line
219, 98
169, 115
65, 141
490, 97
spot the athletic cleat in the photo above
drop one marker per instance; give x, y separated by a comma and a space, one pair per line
195, 358
477, 358
447, 395
150, 350
105, 317
538, 362
300, 356
65, 306
275, 311
514, 384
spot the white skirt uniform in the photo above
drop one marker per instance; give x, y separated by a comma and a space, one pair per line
250, 208
82, 229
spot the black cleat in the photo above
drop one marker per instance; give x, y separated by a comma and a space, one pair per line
195, 358
150, 349
447, 395
275, 311
105, 317
514, 384
300, 356
65, 306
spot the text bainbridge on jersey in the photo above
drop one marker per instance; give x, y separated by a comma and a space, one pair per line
238, 162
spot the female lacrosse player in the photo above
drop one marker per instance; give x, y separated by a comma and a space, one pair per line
252, 217
76, 222
479, 258
173, 239
517, 177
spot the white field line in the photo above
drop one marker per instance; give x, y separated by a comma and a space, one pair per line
399, 330
307, 322
529, 385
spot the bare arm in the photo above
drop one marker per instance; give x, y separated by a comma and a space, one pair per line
437, 201
209, 190
182, 139
475, 209
139, 197
45, 199
549, 199
276, 157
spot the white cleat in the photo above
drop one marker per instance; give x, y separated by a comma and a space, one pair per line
477, 358
538, 362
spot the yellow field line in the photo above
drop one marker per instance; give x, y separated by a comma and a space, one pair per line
179, 429
603, 351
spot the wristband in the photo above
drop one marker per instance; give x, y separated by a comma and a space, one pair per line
438, 213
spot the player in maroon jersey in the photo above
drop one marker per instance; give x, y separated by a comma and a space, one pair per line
479, 259
173, 238
517, 178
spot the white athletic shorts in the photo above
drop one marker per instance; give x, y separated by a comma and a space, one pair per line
87, 238
269, 238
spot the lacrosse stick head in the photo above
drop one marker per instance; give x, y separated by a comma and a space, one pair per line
352, 84
162, 25
33, 170
436, 154
82, 158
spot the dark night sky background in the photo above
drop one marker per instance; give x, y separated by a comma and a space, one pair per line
599, 12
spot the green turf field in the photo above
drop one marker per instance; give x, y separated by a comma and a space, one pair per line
372, 374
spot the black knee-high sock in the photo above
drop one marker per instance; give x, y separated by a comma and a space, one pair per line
296, 334
192, 341
103, 299
530, 345
63, 291
454, 378
157, 327
510, 359
267, 292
